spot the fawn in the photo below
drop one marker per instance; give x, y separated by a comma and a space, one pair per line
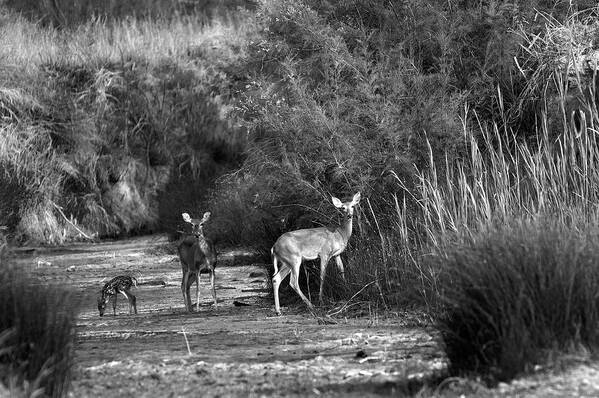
120, 284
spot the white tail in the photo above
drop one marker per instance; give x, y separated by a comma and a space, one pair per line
308, 244
197, 255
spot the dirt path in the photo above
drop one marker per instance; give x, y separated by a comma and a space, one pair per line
233, 350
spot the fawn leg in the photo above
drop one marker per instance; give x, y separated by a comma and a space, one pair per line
130, 299
132, 302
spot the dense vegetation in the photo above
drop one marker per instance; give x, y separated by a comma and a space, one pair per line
468, 126
37, 326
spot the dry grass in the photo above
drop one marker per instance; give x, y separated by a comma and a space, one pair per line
100, 117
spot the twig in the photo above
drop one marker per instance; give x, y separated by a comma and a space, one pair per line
351, 298
186, 341
70, 222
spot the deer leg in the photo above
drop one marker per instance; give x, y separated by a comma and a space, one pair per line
114, 305
274, 263
198, 291
323, 270
308, 283
295, 284
213, 288
280, 274
185, 290
190, 281
340, 267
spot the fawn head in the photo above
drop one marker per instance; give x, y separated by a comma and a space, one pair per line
102, 302
348, 207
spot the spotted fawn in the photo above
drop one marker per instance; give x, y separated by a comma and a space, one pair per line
120, 284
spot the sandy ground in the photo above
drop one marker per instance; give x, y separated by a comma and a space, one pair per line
230, 349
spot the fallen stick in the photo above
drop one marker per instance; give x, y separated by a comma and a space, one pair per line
70, 222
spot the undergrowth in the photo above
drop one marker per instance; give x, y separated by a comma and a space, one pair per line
37, 330
114, 127
516, 294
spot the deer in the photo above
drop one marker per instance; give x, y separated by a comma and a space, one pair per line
197, 255
120, 284
309, 244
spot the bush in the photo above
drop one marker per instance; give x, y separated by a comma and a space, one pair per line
516, 294
37, 330
332, 113
99, 139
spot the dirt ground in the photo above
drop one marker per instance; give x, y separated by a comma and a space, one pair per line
238, 348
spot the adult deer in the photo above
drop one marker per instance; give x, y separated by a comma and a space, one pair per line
197, 255
308, 244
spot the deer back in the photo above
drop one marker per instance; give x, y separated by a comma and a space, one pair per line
311, 243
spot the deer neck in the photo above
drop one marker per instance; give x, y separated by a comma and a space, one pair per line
201, 240
346, 228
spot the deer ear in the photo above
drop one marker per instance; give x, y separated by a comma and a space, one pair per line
206, 216
356, 199
186, 217
337, 202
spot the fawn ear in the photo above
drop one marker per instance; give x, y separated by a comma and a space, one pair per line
186, 217
336, 202
206, 216
356, 199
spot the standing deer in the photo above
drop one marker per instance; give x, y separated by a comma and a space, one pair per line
197, 255
308, 244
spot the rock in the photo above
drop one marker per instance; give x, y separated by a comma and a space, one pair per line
361, 354
42, 263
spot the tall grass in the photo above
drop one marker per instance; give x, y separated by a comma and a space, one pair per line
68, 13
98, 42
516, 295
37, 326
513, 234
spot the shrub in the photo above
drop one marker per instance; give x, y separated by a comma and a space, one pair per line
37, 326
331, 115
101, 136
515, 294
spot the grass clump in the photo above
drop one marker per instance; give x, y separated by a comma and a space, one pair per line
515, 295
37, 330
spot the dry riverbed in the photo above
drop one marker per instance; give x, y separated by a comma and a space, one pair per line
239, 348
